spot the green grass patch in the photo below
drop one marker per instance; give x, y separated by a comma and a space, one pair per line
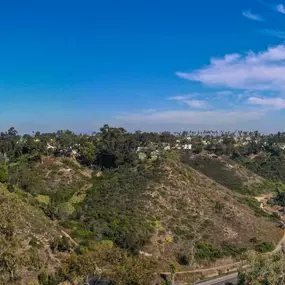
43, 199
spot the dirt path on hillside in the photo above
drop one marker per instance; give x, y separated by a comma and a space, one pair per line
69, 237
280, 245
201, 270
264, 205
263, 199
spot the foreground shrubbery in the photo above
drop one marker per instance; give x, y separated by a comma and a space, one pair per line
3, 173
103, 262
263, 270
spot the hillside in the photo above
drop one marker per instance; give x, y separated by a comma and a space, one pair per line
192, 209
171, 213
165, 210
267, 165
228, 173
26, 236
36, 251
126, 221
57, 184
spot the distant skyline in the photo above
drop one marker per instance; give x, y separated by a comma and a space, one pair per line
149, 65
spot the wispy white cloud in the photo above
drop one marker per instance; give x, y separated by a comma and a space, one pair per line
274, 33
183, 97
280, 8
275, 103
225, 92
251, 16
196, 103
190, 117
251, 71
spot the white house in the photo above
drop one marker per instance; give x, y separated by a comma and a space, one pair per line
155, 155
187, 146
141, 149
177, 146
167, 147
50, 146
282, 146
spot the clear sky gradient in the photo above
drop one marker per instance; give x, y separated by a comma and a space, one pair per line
144, 64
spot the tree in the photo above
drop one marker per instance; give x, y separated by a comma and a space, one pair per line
220, 149
198, 148
263, 270
280, 193
12, 132
119, 143
3, 173
109, 263
87, 152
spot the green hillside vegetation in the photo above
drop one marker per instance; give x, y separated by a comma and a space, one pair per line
222, 221
84, 208
263, 269
229, 174
114, 207
56, 184
3, 173
269, 166
171, 212
102, 262
25, 238
163, 208
272, 168
33, 250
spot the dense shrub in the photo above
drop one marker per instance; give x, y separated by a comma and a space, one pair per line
114, 207
108, 263
264, 247
216, 170
271, 167
206, 251
3, 173
60, 244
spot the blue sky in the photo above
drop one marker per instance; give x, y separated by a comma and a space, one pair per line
144, 64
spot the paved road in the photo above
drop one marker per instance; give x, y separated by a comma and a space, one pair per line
231, 278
